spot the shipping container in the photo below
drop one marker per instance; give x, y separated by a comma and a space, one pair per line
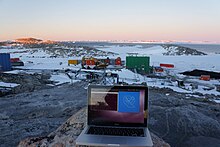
140, 63
14, 59
118, 61
167, 65
158, 69
90, 62
74, 62
19, 63
205, 77
5, 63
180, 83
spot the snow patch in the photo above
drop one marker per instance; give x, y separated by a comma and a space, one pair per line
11, 85
61, 79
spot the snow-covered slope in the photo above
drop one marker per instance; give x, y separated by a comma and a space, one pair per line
158, 54
124, 50
57, 58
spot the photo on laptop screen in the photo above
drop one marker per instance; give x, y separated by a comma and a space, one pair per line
116, 105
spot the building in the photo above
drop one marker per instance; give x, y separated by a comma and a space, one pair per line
139, 63
5, 63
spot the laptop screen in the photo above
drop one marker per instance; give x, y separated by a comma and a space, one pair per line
117, 105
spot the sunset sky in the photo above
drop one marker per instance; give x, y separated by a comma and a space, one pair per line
180, 20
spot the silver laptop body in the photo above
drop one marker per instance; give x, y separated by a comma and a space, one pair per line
117, 108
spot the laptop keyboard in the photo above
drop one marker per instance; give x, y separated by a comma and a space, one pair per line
116, 131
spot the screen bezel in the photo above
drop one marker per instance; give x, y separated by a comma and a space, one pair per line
139, 87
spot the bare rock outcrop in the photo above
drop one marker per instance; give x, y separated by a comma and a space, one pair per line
66, 134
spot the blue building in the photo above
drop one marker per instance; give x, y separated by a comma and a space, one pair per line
5, 63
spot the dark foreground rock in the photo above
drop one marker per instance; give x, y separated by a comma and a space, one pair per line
202, 141
178, 119
38, 113
27, 82
181, 122
66, 134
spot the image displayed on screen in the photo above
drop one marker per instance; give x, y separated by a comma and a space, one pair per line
129, 102
117, 105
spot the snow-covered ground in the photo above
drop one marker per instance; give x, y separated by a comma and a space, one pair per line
61, 78
130, 77
182, 63
42, 60
9, 85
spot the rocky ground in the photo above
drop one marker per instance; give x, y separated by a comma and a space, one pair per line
38, 113
66, 134
177, 120
182, 122
27, 82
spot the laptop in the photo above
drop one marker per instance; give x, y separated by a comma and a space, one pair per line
117, 116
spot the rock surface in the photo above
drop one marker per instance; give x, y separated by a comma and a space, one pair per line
27, 82
66, 134
39, 112
177, 118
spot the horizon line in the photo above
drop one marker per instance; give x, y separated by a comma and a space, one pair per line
122, 41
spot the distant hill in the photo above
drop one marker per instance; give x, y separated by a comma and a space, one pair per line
28, 40
179, 50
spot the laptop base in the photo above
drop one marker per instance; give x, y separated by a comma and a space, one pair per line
107, 140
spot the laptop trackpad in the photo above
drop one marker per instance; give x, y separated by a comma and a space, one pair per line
114, 140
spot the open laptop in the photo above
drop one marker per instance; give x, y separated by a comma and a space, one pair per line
117, 116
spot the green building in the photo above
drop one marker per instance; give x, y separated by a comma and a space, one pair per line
140, 63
